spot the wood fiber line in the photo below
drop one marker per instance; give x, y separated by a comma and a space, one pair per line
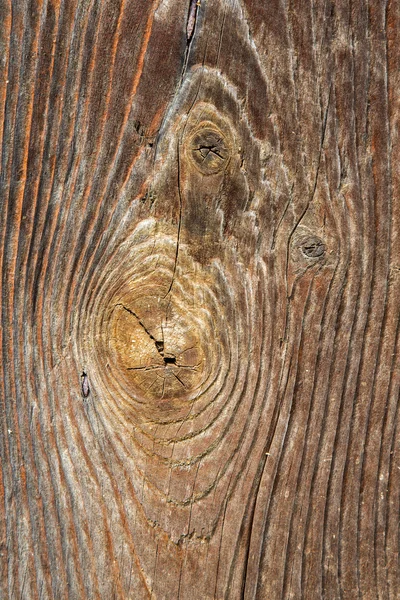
20, 450
200, 259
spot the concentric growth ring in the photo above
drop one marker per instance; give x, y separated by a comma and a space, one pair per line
159, 350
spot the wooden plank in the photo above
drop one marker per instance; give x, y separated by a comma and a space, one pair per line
200, 261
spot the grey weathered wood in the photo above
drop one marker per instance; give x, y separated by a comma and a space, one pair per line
199, 234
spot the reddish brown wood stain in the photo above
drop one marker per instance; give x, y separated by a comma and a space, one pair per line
200, 261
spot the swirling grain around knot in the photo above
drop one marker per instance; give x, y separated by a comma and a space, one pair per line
167, 366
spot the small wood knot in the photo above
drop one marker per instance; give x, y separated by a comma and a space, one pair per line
209, 151
313, 247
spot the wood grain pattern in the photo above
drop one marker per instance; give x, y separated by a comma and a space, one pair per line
200, 262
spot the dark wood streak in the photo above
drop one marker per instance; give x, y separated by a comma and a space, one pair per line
199, 203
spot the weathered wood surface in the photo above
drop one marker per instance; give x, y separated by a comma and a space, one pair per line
200, 212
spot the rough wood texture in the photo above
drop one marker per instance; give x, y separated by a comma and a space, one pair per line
200, 299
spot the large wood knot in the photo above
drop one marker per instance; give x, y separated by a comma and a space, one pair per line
157, 346
160, 341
